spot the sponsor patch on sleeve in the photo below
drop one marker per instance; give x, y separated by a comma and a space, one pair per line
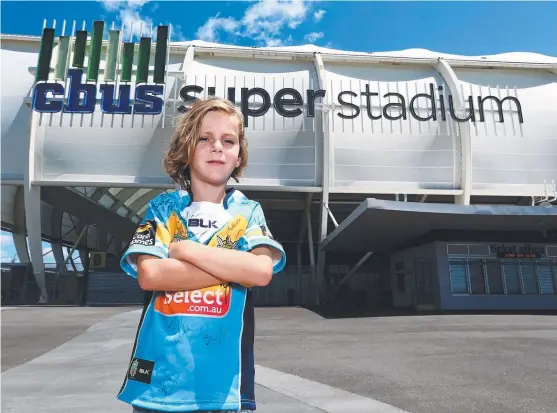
141, 370
145, 234
266, 232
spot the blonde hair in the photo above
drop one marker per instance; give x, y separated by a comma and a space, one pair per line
185, 137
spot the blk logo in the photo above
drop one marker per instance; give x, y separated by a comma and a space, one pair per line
201, 223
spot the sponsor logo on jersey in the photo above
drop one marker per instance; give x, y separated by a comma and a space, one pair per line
145, 234
208, 302
141, 370
202, 223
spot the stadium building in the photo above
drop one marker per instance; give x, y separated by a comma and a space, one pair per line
410, 179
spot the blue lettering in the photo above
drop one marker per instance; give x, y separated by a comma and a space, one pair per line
76, 87
82, 97
147, 101
40, 101
107, 99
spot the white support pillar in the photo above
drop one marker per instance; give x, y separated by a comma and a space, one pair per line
301, 233
326, 120
56, 220
32, 200
19, 232
448, 74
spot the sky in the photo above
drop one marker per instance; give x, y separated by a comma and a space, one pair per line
9, 254
455, 27
466, 28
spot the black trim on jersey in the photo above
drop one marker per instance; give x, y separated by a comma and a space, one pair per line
229, 193
247, 391
147, 300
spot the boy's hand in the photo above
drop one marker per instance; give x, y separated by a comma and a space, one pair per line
176, 248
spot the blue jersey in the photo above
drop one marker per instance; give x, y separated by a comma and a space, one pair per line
194, 349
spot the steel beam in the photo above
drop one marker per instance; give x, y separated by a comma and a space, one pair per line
88, 212
350, 273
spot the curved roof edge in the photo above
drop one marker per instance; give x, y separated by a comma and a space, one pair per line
414, 53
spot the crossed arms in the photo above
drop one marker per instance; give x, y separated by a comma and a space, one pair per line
192, 266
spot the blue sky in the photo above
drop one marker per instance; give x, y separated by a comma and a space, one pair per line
9, 254
469, 28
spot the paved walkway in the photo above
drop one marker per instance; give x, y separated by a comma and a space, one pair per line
83, 375
71, 360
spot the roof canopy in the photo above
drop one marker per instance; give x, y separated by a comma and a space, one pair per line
378, 225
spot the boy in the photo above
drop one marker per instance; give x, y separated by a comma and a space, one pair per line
199, 250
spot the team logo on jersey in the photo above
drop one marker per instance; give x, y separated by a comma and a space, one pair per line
226, 242
145, 234
176, 228
230, 234
208, 302
133, 368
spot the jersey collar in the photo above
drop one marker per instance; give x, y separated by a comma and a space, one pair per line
186, 198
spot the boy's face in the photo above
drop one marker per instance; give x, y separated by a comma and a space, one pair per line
217, 152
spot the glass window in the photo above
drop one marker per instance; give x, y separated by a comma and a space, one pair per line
459, 281
494, 277
477, 282
529, 277
491, 276
512, 278
546, 278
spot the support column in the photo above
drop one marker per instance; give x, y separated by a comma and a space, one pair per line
102, 241
34, 237
32, 200
326, 113
19, 233
447, 72
57, 217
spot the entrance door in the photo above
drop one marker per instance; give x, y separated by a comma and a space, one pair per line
424, 282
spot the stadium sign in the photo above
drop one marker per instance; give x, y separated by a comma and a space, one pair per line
84, 79
439, 104
148, 97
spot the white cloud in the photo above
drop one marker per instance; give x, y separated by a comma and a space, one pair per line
264, 22
313, 37
134, 22
209, 31
7, 248
318, 15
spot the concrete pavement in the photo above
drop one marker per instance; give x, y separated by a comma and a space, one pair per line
306, 364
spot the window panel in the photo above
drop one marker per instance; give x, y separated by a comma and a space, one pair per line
529, 277
477, 281
494, 277
459, 282
512, 278
106, 200
546, 278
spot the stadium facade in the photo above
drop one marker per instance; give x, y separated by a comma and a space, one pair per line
407, 179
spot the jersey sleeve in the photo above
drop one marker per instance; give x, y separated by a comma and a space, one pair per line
151, 237
258, 234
